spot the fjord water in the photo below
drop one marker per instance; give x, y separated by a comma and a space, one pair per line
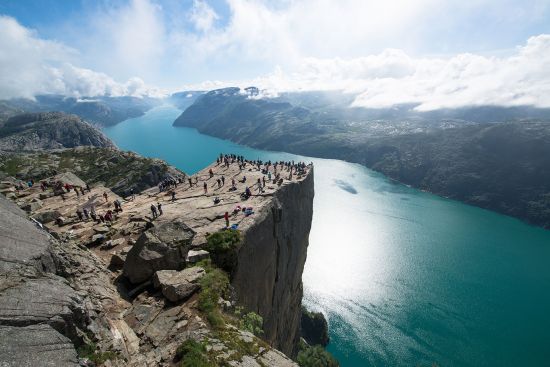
406, 278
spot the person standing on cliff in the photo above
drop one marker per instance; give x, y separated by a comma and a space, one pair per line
154, 211
159, 207
205, 188
105, 196
226, 217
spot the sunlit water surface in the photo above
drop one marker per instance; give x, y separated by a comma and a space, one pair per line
406, 278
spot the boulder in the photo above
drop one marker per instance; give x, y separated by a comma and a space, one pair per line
96, 240
101, 229
194, 256
159, 248
113, 243
32, 206
47, 217
117, 260
178, 285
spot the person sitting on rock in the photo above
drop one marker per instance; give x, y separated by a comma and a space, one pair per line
79, 214
217, 200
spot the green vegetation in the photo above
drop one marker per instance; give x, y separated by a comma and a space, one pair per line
251, 322
90, 352
193, 354
315, 356
223, 241
221, 246
213, 286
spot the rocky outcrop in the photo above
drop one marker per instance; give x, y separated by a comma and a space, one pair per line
39, 311
49, 130
268, 276
160, 248
314, 328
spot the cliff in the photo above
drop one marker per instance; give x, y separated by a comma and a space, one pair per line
271, 262
79, 286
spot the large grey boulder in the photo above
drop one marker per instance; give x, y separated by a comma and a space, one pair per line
178, 285
35, 345
159, 248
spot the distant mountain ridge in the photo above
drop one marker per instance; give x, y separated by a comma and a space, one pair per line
493, 157
49, 130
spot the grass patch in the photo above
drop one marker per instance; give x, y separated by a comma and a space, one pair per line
90, 352
213, 286
191, 353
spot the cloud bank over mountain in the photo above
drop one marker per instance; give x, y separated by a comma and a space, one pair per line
422, 52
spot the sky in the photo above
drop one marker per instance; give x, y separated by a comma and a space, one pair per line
430, 53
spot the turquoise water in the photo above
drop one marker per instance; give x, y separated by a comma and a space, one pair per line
406, 278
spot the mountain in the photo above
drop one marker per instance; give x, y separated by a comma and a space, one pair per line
104, 111
48, 130
493, 157
184, 99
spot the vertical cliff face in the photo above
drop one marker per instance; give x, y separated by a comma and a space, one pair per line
268, 276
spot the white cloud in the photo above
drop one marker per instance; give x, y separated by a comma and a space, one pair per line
30, 66
202, 15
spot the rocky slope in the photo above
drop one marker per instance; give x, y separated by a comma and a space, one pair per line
501, 166
86, 294
49, 130
118, 170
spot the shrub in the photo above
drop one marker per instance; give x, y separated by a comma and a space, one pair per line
222, 246
316, 357
193, 354
223, 241
252, 322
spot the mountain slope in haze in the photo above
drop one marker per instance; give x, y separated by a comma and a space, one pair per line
502, 166
49, 130
104, 111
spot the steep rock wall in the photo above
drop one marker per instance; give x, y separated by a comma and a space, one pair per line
268, 275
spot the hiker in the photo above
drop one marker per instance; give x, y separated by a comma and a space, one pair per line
247, 192
77, 193
233, 183
86, 215
219, 183
154, 211
190, 182
132, 195
205, 188
226, 216
88, 187
159, 207
106, 196
102, 218
82, 191
223, 180
79, 214
211, 172
109, 216
173, 196
263, 180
